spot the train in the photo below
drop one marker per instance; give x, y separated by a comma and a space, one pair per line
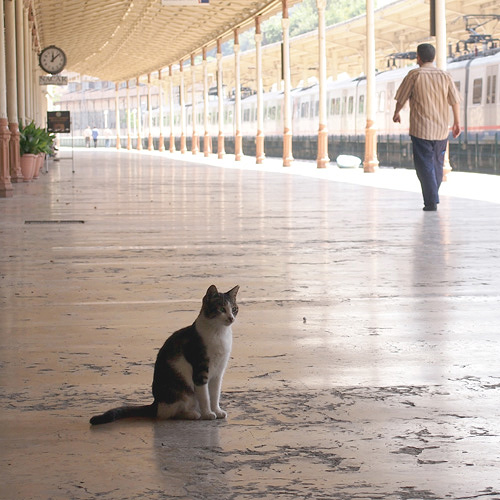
477, 149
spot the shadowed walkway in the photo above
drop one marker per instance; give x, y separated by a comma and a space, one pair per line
365, 359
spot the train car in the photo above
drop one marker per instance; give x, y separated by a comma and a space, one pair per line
477, 149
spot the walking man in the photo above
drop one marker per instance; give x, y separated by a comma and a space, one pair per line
430, 91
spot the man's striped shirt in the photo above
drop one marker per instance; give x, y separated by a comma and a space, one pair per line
431, 91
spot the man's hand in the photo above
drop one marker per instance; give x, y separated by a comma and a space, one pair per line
396, 118
455, 130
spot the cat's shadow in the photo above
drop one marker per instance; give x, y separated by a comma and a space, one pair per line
189, 456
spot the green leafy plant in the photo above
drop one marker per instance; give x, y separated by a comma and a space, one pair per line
35, 140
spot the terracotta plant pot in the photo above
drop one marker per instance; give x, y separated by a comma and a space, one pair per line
28, 166
40, 157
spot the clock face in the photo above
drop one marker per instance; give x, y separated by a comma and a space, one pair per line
52, 60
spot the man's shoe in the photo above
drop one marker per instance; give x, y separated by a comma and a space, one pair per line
430, 208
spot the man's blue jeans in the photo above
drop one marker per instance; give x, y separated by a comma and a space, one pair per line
428, 157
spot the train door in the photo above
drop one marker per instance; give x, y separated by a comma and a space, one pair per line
491, 105
343, 113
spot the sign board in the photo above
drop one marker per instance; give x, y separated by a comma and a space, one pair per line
58, 122
183, 3
53, 80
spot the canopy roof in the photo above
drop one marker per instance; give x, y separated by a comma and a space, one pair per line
117, 40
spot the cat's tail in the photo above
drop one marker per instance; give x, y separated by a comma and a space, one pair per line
145, 411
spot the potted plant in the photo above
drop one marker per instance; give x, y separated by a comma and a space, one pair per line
33, 142
28, 148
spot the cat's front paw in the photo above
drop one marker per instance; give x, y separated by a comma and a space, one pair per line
220, 413
209, 416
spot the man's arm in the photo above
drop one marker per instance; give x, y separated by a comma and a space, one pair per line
455, 129
399, 106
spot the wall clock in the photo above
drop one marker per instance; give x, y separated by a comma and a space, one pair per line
52, 59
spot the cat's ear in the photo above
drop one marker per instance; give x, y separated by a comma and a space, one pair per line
232, 293
212, 291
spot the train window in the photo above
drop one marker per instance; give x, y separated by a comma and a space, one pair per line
457, 85
331, 108
381, 101
350, 108
477, 91
344, 104
337, 106
272, 113
316, 108
304, 110
491, 87
246, 115
361, 104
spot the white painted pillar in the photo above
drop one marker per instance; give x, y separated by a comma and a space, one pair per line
11, 72
160, 111
117, 114
183, 109
238, 139
220, 100
129, 134
27, 64
194, 138
259, 139
370, 163
171, 105
207, 139
287, 100
6, 190
322, 159
150, 116
139, 117
21, 99
440, 13
440, 34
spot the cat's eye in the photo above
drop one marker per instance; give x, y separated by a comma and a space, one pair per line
222, 310
235, 310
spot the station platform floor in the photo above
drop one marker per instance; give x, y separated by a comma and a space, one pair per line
365, 360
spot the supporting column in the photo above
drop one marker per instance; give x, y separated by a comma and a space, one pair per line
21, 100
287, 101
27, 66
441, 64
10, 57
117, 115
370, 163
183, 110
139, 117
259, 139
322, 159
238, 139
129, 135
171, 105
194, 139
150, 116
161, 147
207, 138
220, 101
6, 190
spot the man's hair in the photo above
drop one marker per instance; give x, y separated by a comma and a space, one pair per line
427, 52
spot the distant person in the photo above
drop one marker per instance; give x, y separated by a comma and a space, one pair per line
87, 133
95, 135
430, 91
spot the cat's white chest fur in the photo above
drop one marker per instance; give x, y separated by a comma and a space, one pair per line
218, 342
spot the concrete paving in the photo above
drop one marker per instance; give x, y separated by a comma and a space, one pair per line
366, 352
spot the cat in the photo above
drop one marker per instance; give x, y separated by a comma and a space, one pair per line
189, 367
